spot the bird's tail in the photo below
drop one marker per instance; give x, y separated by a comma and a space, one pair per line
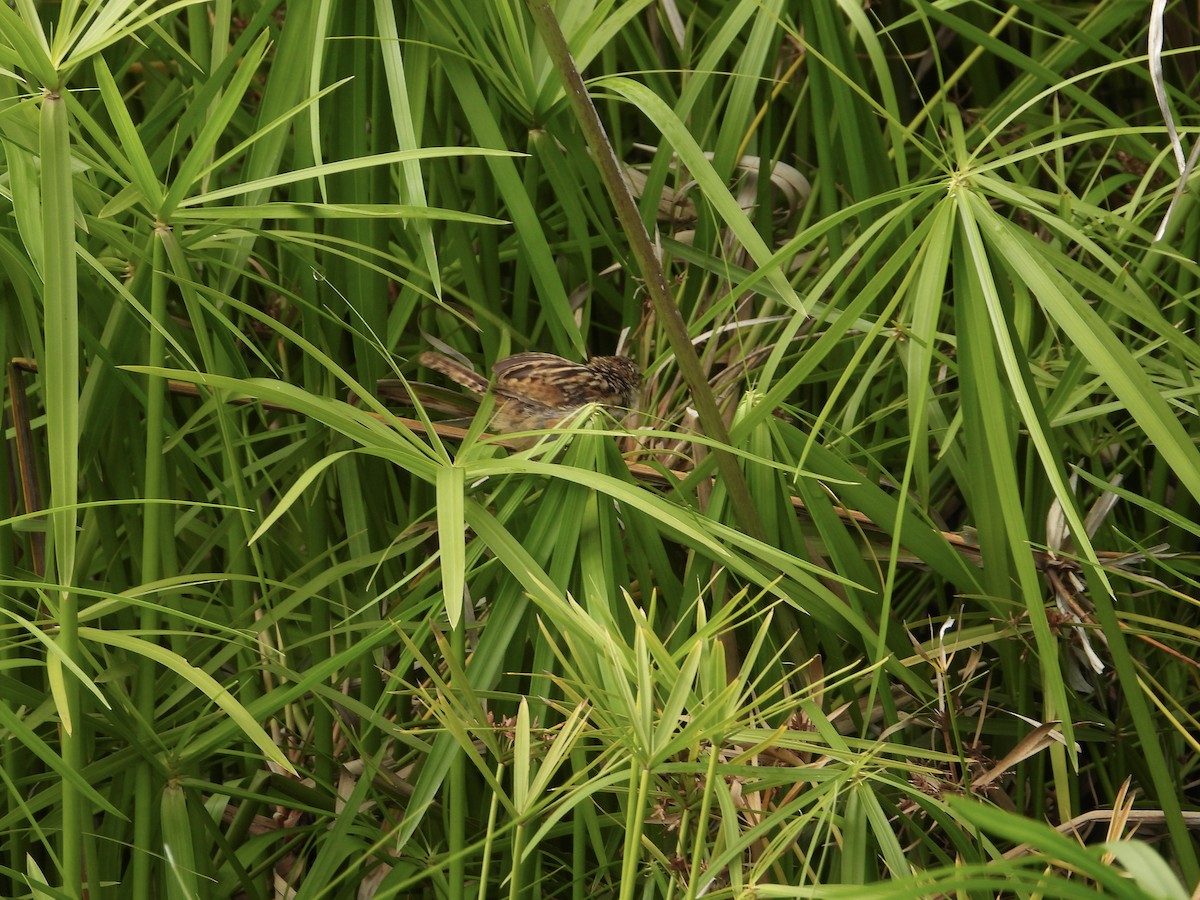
454, 370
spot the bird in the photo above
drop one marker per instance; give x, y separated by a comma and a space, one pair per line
535, 391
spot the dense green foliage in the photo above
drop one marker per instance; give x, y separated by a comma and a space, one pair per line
935, 595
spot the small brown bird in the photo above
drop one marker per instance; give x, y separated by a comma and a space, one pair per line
539, 390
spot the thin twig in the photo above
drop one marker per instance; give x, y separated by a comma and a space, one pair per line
650, 263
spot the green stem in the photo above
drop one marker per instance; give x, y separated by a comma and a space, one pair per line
516, 883
699, 844
459, 804
61, 374
579, 838
485, 860
146, 848
635, 815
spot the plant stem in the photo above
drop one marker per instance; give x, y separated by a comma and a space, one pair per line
62, 429
650, 263
634, 817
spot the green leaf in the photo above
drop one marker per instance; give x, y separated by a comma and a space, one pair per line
715, 191
451, 491
199, 680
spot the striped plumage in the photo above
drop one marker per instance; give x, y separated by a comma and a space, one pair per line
539, 390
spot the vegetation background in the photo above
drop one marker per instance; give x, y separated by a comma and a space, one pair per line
934, 593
